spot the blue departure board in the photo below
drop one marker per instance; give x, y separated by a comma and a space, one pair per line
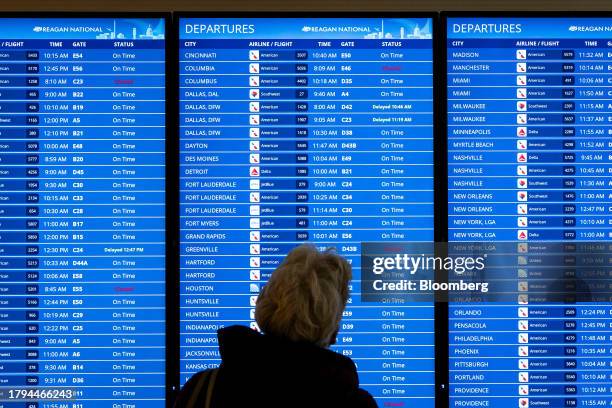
82, 212
529, 161
300, 130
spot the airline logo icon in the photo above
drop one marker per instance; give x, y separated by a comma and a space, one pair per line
255, 249
521, 170
254, 262
523, 312
254, 184
523, 364
520, 67
523, 402
521, 106
252, 314
523, 389
523, 286
522, 260
523, 299
254, 81
254, 68
521, 144
254, 55
521, 196
521, 118
253, 300
521, 157
254, 133
254, 210
255, 223
254, 274
253, 288
523, 325
521, 131
521, 93
522, 247
521, 222
523, 338
521, 54
254, 94
521, 209
254, 158
521, 80
254, 171
523, 351
522, 273
254, 119
256, 237
253, 106
254, 145
254, 197
254, 326
521, 183
523, 376
522, 235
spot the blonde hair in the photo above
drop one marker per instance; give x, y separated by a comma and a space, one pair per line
305, 296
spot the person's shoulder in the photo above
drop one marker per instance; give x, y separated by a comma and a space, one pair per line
362, 399
190, 387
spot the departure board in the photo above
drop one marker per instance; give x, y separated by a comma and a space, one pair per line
300, 130
529, 161
82, 225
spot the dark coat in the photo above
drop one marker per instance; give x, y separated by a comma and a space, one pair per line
260, 370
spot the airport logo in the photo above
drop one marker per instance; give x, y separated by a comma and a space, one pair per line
336, 29
67, 29
589, 29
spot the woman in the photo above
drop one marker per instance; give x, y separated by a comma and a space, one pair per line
289, 365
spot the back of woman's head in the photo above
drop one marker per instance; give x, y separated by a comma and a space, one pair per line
305, 296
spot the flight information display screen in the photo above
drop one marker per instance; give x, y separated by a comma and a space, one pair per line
529, 160
82, 225
300, 130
